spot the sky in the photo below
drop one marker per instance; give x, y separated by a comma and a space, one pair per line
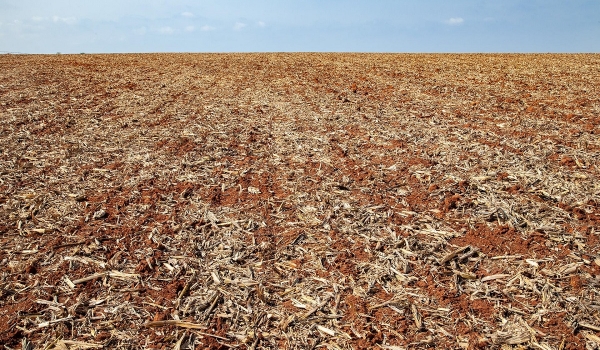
107, 26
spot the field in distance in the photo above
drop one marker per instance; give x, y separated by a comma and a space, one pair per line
300, 201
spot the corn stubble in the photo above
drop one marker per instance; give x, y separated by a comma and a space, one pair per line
299, 201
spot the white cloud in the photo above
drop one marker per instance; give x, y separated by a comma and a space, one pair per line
261, 24
66, 20
166, 30
190, 28
455, 21
239, 26
37, 18
187, 14
206, 28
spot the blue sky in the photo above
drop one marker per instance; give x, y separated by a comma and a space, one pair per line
74, 26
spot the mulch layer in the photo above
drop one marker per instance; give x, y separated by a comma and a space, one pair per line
300, 201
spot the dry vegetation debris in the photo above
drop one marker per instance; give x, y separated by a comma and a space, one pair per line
299, 201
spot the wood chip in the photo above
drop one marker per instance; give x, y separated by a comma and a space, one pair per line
453, 254
60, 320
589, 326
89, 278
177, 323
494, 277
326, 330
315, 309
69, 282
592, 337
81, 345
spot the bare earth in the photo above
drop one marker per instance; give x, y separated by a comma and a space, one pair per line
300, 201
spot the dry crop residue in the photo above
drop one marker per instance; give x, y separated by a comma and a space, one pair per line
266, 201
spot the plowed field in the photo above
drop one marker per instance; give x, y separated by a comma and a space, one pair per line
300, 201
